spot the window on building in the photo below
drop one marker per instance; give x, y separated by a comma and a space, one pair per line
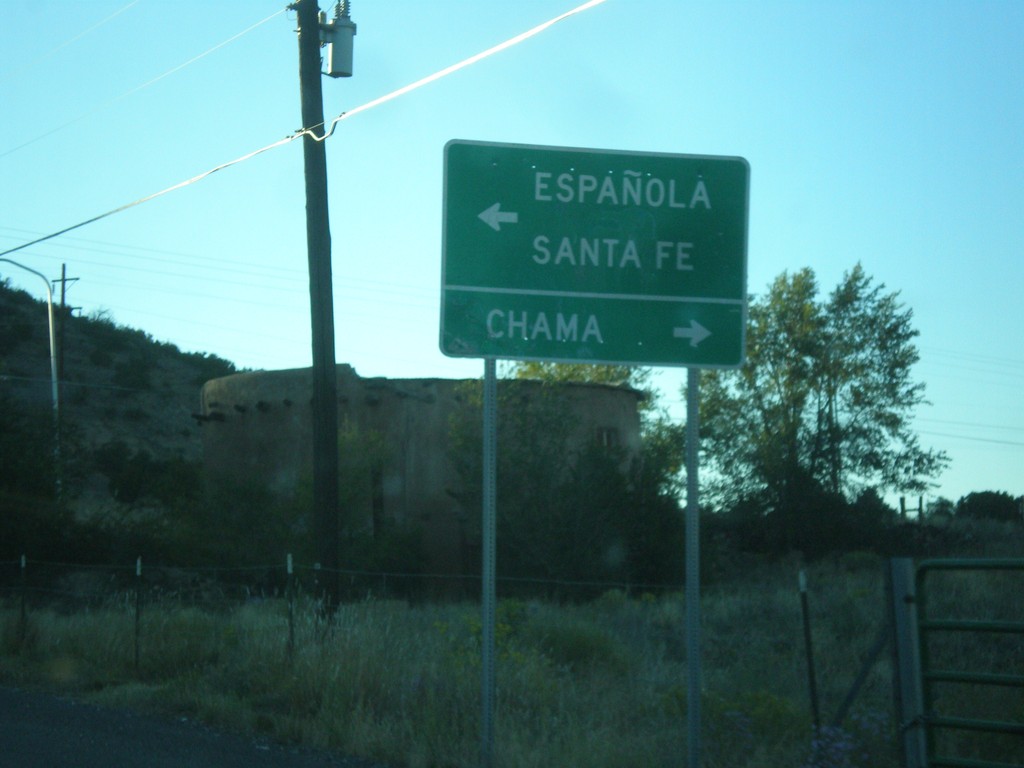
608, 437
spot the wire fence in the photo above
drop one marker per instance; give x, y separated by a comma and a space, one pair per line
132, 590
71, 586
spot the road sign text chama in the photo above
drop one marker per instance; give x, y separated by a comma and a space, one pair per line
554, 253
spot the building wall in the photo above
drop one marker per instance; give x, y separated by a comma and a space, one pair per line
257, 427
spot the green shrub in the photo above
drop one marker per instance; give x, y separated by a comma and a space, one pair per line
208, 366
134, 373
577, 645
16, 331
101, 358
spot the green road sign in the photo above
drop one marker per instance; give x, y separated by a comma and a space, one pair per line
594, 256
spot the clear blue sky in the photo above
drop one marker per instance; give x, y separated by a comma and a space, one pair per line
886, 133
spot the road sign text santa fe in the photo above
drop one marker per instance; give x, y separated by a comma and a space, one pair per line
579, 255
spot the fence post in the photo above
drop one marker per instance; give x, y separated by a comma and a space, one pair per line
812, 679
138, 610
909, 699
291, 608
23, 616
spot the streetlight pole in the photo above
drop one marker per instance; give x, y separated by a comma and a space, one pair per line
53, 368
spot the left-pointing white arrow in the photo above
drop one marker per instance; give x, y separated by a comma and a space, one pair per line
494, 217
696, 333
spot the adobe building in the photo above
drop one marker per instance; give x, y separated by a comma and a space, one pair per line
257, 428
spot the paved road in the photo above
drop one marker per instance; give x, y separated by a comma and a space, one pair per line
39, 730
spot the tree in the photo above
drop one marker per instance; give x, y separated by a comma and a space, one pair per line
645, 516
824, 400
990, 505
586, 373
940, 508
571, 510
534, 462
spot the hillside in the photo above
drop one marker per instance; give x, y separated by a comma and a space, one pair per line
122, 393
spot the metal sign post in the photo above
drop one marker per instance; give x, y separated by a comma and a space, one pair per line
693, 684
490, 449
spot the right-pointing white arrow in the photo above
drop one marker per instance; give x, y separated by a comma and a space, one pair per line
696, 333
494, 217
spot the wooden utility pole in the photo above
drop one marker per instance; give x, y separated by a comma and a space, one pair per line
326, 525
65, 312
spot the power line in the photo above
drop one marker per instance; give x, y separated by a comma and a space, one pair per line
973, 424
66, 43
147, 198
405, 298
313, 131
456, 67
288, 281
209, 270
138, 88
82, 384
974, 439
973, 355
190, 259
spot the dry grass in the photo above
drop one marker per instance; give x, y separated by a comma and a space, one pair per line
602, 684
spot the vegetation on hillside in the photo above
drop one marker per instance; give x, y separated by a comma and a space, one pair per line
124, 466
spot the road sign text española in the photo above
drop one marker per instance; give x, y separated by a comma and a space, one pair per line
580, 255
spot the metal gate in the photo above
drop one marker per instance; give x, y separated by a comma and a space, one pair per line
960, 662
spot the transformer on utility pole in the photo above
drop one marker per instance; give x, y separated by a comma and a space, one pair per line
337, 36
